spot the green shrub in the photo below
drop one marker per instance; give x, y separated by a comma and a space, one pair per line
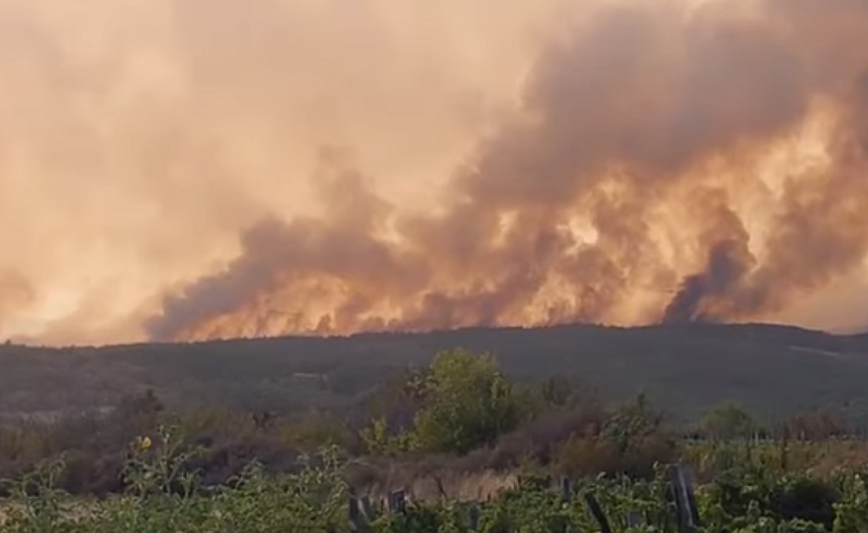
467, 404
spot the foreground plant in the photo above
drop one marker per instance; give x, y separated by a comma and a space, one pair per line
164, 495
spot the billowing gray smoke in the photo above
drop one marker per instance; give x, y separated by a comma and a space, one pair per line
638, 111
188, 169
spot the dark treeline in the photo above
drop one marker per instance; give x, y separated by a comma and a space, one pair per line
773, 371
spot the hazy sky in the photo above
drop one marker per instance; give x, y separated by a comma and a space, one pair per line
202, 168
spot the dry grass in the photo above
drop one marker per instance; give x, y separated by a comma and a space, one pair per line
851, 455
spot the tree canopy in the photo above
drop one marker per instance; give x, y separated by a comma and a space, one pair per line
467, 403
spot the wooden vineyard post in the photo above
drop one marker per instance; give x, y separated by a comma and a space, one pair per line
634, 519
785, 441
474, 517
355, 513
567, 489
367, 507
685, 502
397, 502
598, 513
360, 512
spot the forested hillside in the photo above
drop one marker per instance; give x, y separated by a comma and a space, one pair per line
773, 370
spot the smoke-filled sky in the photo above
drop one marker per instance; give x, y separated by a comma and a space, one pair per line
191, 169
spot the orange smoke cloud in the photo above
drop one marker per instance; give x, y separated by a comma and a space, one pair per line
659, 162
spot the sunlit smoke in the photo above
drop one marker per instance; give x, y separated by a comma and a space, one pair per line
188, 169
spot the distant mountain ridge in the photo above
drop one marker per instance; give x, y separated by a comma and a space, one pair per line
776, 370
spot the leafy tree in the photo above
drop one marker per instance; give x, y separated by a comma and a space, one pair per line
631, 423
729, 420
467, 403
636, 438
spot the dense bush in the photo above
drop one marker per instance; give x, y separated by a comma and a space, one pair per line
467, 403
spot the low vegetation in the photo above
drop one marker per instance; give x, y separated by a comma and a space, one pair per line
552, 445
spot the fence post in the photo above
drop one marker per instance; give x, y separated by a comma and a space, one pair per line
367, 507
567, 489
354, 511
598, 513
397, 502
474, 516
685, 501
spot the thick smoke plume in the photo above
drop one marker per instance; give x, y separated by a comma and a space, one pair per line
620, 162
